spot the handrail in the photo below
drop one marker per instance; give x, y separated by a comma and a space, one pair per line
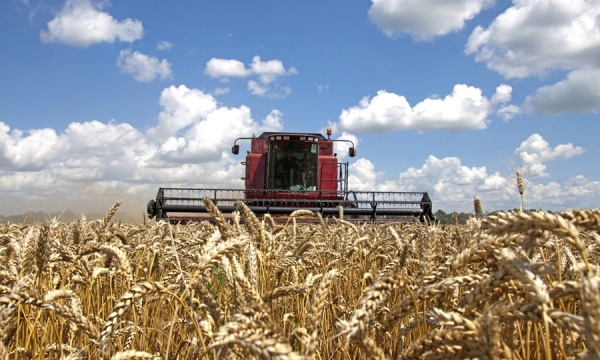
370, 203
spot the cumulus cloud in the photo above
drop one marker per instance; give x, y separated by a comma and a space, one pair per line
224, 68
509, 111
256, 88
181, 107
452, 184
266, 73
503, 94
90, 164
204, 140
579, 92
193, 128
28, 152
423, 19
576, 192
73, 167
464, 109
535, 151
362, 175
82, 23
273, 121
535, 37
144, 68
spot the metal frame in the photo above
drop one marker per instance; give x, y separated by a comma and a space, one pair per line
359, 203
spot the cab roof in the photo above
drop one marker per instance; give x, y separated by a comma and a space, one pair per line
266, 135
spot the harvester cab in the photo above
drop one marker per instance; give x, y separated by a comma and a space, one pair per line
285, 172
293, 162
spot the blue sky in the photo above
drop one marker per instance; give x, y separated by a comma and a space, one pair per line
108, 100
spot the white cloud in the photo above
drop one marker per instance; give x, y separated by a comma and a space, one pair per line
277, 92
163, 45
205, 140
535, 151
465, 109
266, 72
144, 68
503, 94
223, 68
423, 19
452, 184
534, 36
572, 193
452, 187
69, 167
257, 89
579, 92
82, 23
30, 152
91, 164
273, 121
181, 108
362, 175
220, 91
509, 111
194, 129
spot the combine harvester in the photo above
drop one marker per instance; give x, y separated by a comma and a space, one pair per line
290, 171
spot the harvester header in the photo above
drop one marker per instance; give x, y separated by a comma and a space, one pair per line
290, 171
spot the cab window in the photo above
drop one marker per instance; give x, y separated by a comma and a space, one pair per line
293, 166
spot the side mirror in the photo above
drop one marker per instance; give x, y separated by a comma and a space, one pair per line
352, 152
235, 149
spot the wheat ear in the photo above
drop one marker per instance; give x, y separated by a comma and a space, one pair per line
134, 355
124, 303
590, 299
316, 312
477, 206
110, 213
218, 218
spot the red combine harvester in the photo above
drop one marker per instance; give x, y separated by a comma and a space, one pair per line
290, 171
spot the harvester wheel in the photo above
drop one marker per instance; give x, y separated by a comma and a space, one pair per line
151, 209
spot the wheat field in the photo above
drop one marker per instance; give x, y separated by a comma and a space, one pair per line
505, 286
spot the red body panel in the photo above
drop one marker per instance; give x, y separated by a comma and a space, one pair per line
259, 146
286, 198
255, 171
328, 176
255, 164
325, 148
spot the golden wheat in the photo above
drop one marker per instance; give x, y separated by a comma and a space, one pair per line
509, 285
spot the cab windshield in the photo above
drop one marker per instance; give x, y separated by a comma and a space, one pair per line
293, 166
